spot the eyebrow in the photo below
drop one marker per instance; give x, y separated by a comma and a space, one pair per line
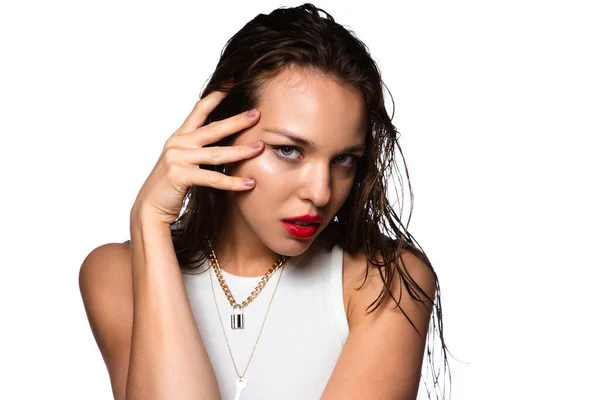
307, 143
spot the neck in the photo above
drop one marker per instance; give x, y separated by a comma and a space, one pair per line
239, 251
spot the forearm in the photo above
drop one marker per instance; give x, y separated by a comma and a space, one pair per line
168, 359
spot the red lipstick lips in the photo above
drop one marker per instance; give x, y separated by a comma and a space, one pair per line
302, 226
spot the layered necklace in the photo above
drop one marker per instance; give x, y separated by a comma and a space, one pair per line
237, 316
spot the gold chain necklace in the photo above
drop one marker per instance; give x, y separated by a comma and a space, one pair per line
237, 316
241, 383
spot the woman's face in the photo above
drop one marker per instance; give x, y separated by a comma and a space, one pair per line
314, 131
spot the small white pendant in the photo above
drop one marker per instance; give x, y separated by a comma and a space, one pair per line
240, 385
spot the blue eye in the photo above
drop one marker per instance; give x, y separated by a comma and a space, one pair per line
288, 153
285, 151
348, 158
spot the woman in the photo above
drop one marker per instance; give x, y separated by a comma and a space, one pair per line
278, 269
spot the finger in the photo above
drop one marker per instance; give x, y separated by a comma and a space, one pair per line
217, 180
206, 135
221, 154
218, 130
201, 111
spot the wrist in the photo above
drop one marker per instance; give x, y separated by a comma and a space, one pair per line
140, 217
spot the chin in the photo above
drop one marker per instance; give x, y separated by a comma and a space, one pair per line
287, 245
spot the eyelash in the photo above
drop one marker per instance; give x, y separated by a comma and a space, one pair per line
288, 158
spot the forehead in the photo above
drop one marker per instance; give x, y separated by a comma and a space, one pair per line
315, 107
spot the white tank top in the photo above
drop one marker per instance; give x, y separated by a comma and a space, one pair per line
303, 335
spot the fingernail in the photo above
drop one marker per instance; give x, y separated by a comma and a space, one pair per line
255, 145
252, 113
249, 182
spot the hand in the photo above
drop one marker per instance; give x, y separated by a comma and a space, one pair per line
162, 194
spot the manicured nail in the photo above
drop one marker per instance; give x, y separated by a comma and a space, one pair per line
255, 145
252, 113
249, 182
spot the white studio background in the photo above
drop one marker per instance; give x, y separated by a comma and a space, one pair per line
498, 106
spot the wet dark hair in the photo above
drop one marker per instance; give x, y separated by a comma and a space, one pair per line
308, 38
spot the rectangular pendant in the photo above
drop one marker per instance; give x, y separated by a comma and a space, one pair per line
237, 318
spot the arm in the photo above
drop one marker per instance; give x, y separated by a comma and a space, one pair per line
168, 359
137, 303
105, 286
139, 313
383, 355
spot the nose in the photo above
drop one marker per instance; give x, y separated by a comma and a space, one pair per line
316, 184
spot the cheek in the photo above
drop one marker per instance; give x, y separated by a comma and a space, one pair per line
273, 186
262, 168
341, 190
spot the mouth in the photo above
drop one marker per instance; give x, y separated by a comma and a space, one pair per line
301, 229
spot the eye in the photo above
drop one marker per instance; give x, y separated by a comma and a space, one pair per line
285, 151
346, 160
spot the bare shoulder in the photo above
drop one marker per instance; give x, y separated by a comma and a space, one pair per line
106, 290
384, 350
358, 296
